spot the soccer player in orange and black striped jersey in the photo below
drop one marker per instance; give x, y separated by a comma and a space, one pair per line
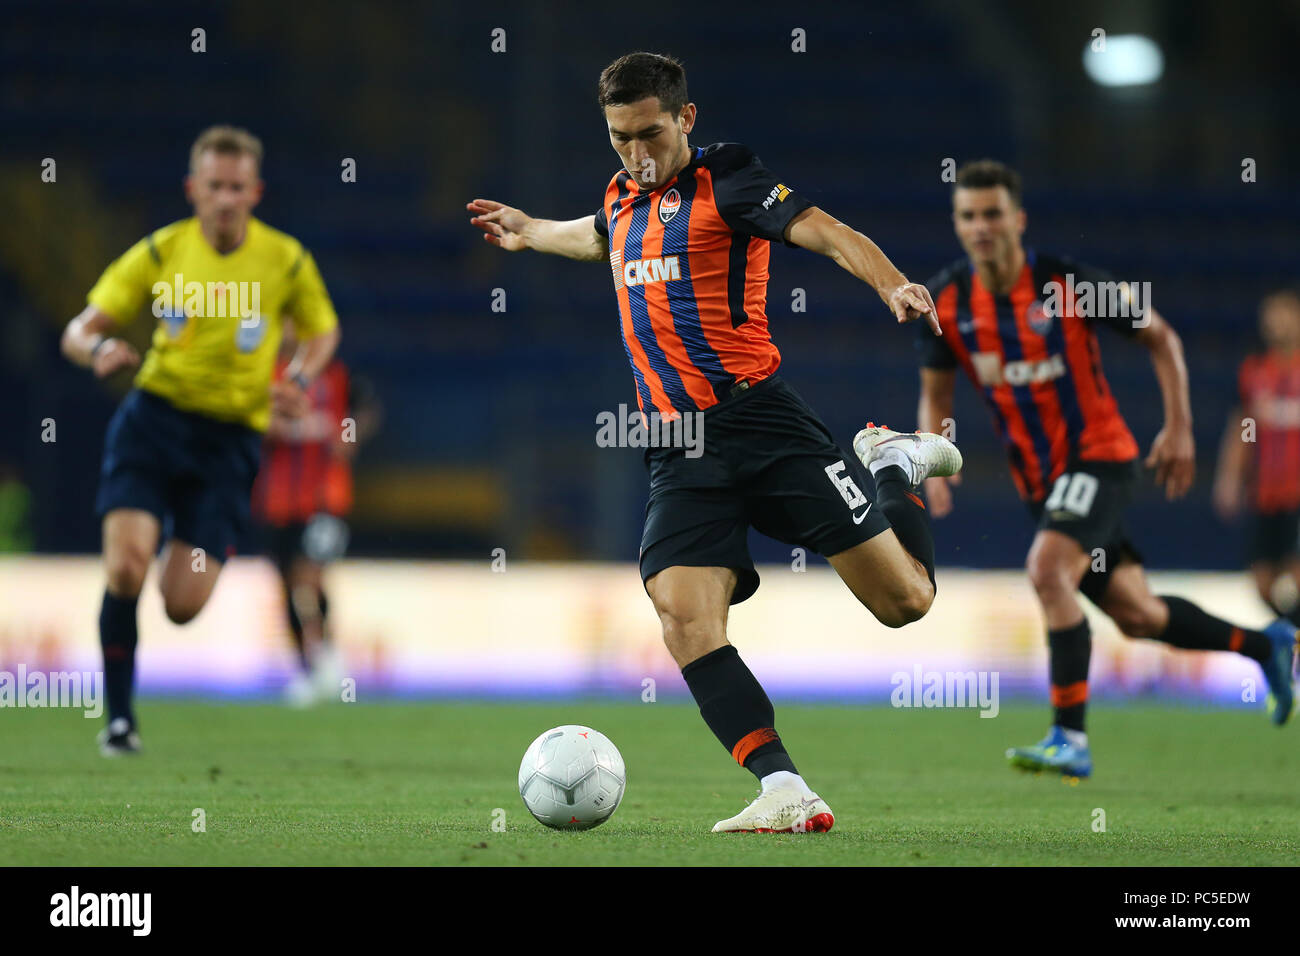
1022, 325
301, 497
1260, 455
687, 232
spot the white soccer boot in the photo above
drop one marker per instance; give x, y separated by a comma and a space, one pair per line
922, 454
785, 808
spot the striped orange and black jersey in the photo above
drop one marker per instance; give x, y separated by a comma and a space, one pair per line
690, 264
1038, 368
303, 475
1269, 388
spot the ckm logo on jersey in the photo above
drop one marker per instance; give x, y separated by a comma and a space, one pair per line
990, 371
778, 194
669, 205
646, 271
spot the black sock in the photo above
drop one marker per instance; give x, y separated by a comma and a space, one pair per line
1192, 629
1069, 651
906, 514
324, 617
117, 638
295, 629
734, 705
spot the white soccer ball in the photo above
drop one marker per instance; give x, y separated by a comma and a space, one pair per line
572, 778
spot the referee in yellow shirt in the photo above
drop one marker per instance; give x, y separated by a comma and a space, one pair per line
182, 449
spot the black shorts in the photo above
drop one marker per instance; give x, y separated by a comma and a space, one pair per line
322, 539
1274, 537
193, 473
768, 462
1087, 503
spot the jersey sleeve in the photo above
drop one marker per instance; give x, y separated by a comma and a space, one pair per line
309, 304
602, 222
752, 200
1106, 290
127, 282
932, 351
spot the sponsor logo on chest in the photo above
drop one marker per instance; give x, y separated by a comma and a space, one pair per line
990, 371
645, 271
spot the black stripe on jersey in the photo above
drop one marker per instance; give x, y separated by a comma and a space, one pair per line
1043, 271
737, 258
621, 180
153, 251
293, 271
959, 273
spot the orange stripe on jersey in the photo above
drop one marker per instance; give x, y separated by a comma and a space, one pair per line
985, 314
1069, 695
1106, 437
751, 742
741, 342
659, 306
640, 362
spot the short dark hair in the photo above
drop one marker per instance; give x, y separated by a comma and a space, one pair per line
989, 174
635, 76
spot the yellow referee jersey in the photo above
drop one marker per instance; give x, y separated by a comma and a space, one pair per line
219, 316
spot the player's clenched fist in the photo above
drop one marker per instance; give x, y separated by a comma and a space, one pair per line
114, 354
503, 225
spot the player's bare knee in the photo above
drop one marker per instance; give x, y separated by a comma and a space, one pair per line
905, 605
180, 612
1136, 619
914, 603
1051, 581
125, 569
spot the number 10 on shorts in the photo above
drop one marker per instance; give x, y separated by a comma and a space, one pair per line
1073, 493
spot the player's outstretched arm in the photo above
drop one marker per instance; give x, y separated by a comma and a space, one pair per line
934, 408
513, 229
1173, 451
816, 231
87, 342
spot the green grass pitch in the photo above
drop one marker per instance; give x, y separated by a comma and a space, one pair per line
417, 784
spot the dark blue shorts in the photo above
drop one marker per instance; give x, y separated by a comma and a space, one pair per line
194, 473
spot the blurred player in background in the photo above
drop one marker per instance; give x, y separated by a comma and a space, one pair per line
1260, 458
1072, 456
686, 231
301, 497
181, 452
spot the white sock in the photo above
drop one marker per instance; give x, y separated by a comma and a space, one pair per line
1076, 738
785, 778
894, 456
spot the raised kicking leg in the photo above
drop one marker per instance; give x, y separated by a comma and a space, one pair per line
892, 574
692, 604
